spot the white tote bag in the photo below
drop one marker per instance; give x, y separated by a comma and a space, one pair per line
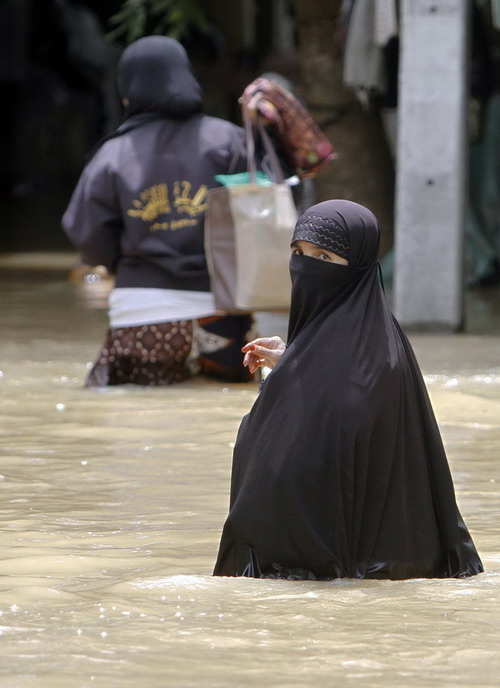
248, 230
264, 218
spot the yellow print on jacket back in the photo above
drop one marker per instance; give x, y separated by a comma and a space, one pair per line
183, 201
155, 201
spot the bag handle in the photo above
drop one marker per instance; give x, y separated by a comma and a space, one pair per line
276, 169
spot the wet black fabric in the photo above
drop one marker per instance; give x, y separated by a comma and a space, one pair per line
339, 469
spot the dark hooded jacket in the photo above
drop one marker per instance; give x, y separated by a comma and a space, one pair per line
139, 205
339, 469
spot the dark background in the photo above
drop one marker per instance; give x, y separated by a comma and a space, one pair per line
57, 74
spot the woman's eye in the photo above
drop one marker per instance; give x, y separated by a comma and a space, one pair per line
325, 256
296, 252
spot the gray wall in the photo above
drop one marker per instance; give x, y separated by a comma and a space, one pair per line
430, 183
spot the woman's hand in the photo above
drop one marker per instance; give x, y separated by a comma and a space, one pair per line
264, 351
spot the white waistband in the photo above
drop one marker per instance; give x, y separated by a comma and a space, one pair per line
131, 307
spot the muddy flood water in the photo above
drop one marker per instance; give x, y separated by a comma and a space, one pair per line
112, 504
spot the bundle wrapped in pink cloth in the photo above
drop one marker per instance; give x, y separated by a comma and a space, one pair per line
301, 141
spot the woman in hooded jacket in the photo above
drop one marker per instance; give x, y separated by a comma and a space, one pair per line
339, 469
138, 209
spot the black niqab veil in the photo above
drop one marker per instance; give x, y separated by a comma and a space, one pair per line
339, 469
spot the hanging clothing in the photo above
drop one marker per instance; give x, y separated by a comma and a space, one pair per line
339, 469
372, 24
483, 218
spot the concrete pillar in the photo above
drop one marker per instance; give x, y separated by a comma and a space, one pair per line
431, 168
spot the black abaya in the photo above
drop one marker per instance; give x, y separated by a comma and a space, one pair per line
339, 469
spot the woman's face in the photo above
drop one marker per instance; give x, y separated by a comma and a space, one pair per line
306, 248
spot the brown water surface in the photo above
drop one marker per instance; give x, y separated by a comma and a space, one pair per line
112, 507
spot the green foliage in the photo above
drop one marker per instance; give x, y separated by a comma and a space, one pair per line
174, 18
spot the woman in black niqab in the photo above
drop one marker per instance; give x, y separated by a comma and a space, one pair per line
339, 469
